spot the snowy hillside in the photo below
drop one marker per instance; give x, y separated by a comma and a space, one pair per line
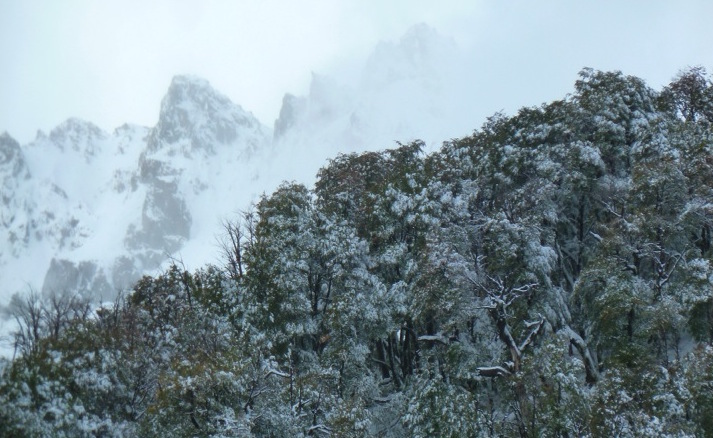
90, 211
93, 211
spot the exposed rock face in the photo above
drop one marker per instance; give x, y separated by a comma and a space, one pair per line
14, 173
125, 271
91, 212
292, 107
165, 220
85, 278
12, 160
13, 170
79, 136
198, 118
198, 128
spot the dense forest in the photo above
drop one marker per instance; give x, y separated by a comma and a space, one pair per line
550, 275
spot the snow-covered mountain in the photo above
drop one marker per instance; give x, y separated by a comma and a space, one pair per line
91, 211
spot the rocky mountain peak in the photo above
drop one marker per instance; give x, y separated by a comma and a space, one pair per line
78, 135
12, 160
292, 107
192, 110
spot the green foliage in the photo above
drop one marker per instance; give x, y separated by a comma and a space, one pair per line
436, 408
549, 275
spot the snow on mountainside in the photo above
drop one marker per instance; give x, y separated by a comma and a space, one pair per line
194, 117
91, 211
198, 164
13, 176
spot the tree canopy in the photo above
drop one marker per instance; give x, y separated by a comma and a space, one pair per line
549, 275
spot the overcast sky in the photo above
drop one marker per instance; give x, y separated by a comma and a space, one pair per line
111, 62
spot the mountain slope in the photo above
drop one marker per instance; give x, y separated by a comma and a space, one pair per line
549, 275
92, 211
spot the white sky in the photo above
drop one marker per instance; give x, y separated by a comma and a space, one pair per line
110, 62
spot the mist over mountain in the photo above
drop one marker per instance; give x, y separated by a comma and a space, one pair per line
380, 260
550, 274
407, 90
92, 211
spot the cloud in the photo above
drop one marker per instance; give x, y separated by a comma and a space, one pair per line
111, 62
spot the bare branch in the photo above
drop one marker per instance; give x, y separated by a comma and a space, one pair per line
496, 371
433, 338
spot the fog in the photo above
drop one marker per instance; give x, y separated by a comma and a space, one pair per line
110, 62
